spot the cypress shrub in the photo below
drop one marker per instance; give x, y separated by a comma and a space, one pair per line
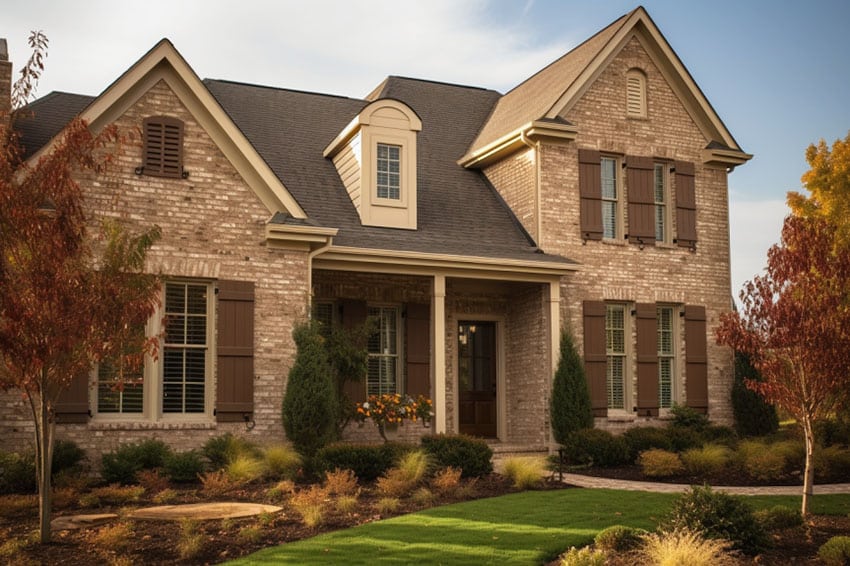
570, 402
310, 402
753, 416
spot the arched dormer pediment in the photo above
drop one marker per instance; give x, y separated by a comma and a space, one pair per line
375, 156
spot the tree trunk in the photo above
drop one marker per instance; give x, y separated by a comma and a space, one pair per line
809, 474
44, 461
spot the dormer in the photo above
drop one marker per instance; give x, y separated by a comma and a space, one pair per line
375, 156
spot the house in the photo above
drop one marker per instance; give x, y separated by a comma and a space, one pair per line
472, 226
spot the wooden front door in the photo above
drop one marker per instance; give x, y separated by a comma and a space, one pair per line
477, 362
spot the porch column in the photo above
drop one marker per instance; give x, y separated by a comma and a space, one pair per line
438, 351
555, 343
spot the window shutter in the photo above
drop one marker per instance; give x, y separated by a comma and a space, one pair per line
590, 193
595, 356
72, 406
235, 350
696, 359
163, 147
640, 178
686, 205
417, 335
354, 315
647, 360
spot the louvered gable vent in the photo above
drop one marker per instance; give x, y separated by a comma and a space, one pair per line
163, 149
635, 94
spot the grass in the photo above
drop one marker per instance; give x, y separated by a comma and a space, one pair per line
522, 528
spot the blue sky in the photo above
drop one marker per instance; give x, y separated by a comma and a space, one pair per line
777, 72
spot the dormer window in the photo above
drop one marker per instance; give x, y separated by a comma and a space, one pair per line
635, 94
389, 171
162, 153
375, 156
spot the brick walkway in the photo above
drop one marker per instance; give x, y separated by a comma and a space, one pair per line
590, 481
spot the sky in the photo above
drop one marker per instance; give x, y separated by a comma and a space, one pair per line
777, 72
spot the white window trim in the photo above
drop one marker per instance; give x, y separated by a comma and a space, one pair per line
153, 372
628, 371
619, 207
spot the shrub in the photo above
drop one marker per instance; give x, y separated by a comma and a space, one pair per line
17, 473
191, 543
642, 438
686, 417
310, 504
346, 503
525, 473
717, 515
245, 469
470, 455
114, 494
310, 403
683, 438
281, 462
794, 452
719, 434
446, 481
833, 431
761, 461
583, 557
387, 505
414, 465
597, 447
220, 450
367, 461
569, 407
184, 467
709, 459
835, 551
66, 456
832, 464
753, 416
657, 463
395, 483
685, 547
152, 480
423, 496
341, 482
115, 537
618, 539
778, 517
251, 533
121, 465
216, 483
281, 489
165, 497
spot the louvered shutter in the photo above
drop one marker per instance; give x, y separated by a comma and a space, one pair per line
647, 359
595, 356
163, 147
354, 315
696, 359
686, 205
235, 351
640, 178
590, 193
417, 335
72, 406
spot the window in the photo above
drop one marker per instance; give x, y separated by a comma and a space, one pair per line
323, 313
610, 199
120, 390
615, 340
163, 148
185, 349
382, 375
662, 225
666, 357
389, 170
635, 94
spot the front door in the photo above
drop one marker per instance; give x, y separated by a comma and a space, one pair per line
477, 363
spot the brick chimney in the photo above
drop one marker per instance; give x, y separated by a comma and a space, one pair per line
5, 84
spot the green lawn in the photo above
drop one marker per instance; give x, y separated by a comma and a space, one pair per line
522, 528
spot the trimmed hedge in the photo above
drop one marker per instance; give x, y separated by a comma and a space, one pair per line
121, 466
472, 456
596, 447
367, 461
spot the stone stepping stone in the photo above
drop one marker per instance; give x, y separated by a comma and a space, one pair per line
73, 522
202, 511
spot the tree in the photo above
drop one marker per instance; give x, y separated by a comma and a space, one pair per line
569, 407
753, 416
67, 300
828, 182
310, 402
795, 327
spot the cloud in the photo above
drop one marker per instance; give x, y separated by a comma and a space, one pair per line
755, 226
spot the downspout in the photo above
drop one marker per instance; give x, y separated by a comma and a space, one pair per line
538, 225
313, 253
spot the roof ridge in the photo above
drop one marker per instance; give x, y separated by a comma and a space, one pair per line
443, 83
282, 89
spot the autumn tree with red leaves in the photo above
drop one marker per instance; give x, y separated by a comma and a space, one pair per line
68, 299
795, 326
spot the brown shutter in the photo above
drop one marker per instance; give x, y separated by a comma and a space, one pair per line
72, 406
235, 350
596, 356
590, 193
354, 315
640, 178
417, 335
647, 360
686, 205
696, 360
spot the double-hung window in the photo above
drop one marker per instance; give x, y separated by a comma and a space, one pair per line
615, 340
610, 199
186, 348
666, 356
383, 346
389, 171
121, 386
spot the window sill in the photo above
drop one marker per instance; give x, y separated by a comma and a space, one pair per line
615, 241
151, 425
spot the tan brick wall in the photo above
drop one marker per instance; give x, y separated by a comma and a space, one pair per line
213, 228
619, 271
515, 177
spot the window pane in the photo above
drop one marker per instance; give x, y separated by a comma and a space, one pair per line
660, 196
196, 297
660, 228
609, 178
665, 382
615, 329
117, 393
388, 167
616, 384
609, 219
382, 375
